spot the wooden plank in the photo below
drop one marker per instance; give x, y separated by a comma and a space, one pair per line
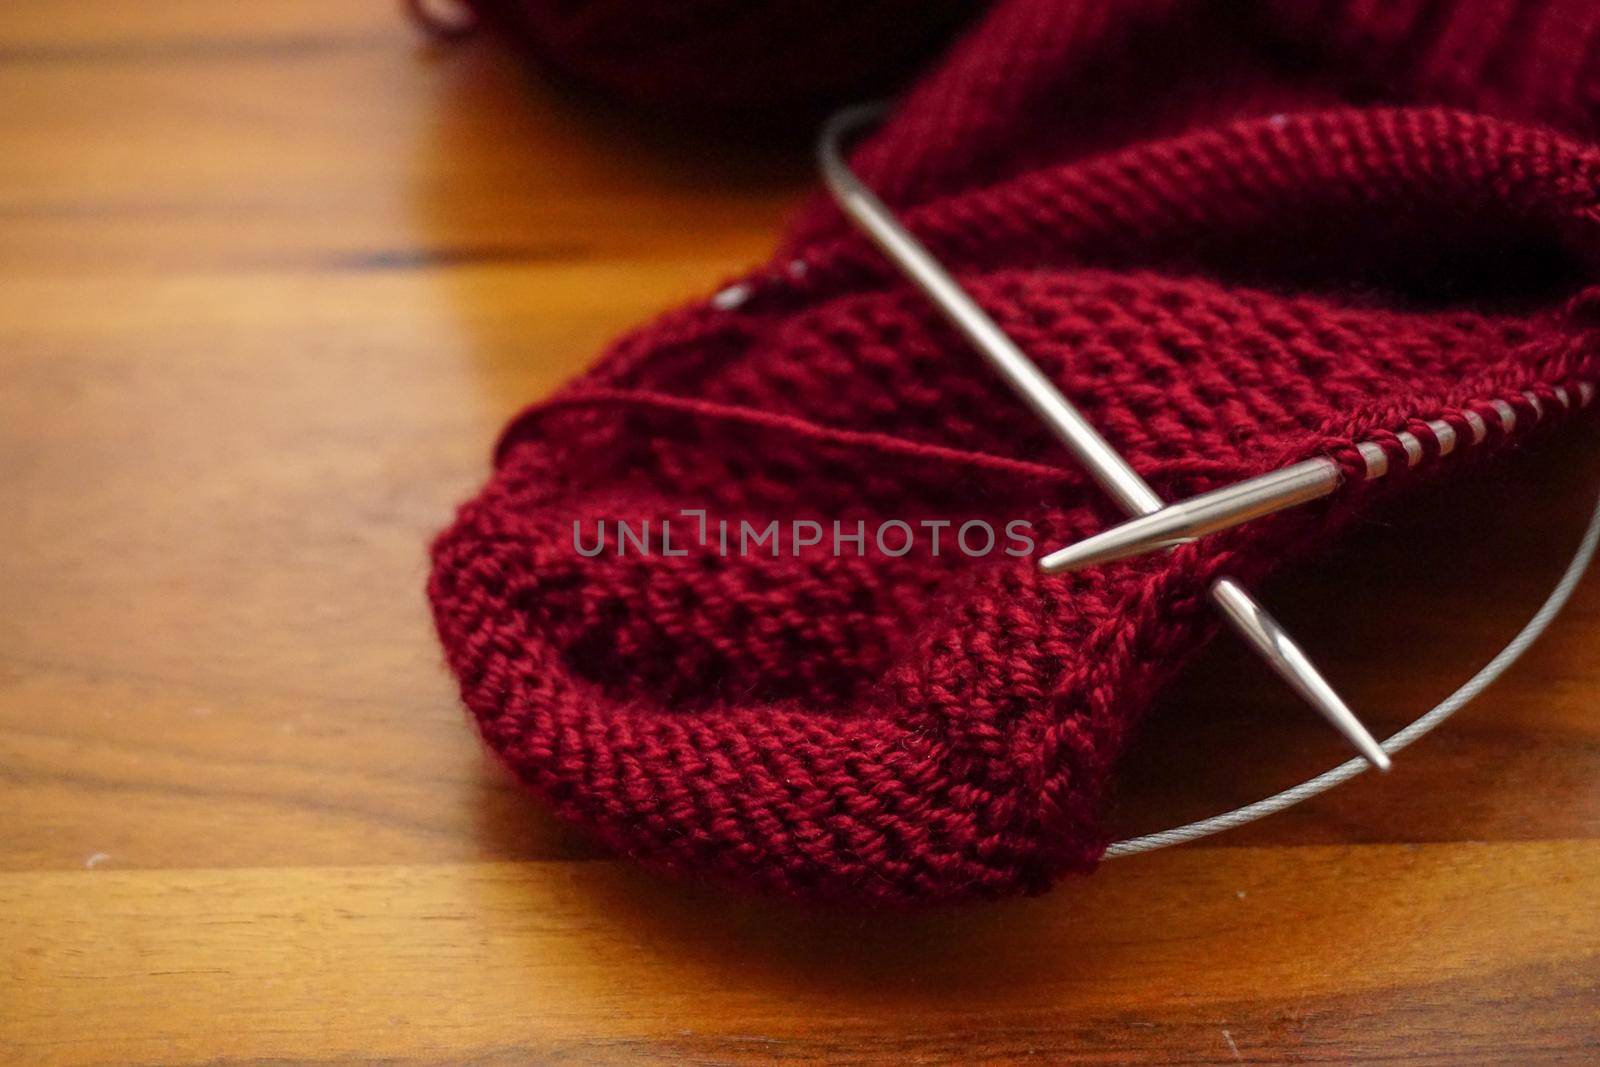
1197, 956
334, 139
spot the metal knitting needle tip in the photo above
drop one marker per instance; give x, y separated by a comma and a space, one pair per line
1284, 656
1187, 520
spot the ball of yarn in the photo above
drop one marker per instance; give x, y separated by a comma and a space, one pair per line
728, 55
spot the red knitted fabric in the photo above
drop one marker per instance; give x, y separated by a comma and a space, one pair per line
1236, 235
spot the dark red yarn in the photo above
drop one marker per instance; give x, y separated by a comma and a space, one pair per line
727, 57
1237, 235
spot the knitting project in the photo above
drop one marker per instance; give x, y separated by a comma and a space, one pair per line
1237, 235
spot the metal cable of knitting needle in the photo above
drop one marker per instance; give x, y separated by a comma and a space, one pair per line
1447, 707
1237, 504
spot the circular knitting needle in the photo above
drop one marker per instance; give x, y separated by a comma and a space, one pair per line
1131, 492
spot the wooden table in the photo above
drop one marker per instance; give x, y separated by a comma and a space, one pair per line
271, 277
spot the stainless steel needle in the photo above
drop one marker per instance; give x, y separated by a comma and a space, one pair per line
1105, 465
1207, 513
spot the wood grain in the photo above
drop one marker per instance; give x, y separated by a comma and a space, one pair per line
270, 281
592, 962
